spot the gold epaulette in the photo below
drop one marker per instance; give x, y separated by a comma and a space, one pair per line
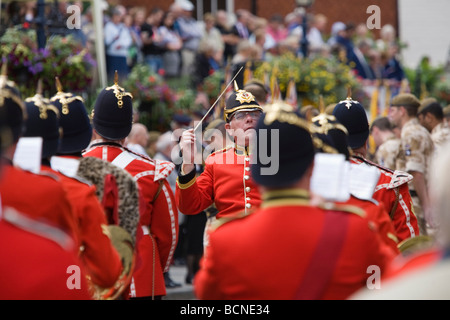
221, 221
343, 207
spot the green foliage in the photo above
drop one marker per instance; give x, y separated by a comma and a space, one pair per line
426, 80
156, 99
212, 85
313, 77
63, 57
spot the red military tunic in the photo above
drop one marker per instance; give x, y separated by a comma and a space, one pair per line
286, 249
392, 190
415, 261
377, 213
37, 261
422, 274
99, 256
225, 181
157, 235
40, 196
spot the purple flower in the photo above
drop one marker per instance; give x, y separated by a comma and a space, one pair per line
89, 59
38, 67
45, 53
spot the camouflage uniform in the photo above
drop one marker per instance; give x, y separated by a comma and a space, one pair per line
440, 135
416, 152
387, 152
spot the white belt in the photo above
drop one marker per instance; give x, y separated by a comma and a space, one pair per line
145, 230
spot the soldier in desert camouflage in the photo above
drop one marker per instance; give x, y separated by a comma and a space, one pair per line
431, 116
415, 155
388, 145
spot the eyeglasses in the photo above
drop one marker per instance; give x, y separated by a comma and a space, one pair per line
241, 115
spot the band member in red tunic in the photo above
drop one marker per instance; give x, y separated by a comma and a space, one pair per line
288, 248
38, 247
226, 180
331, 137
38, 195
157, 234
392, 188
101, 260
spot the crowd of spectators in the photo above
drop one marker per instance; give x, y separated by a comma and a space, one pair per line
174, 43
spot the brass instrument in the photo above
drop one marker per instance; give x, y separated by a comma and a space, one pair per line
123, 243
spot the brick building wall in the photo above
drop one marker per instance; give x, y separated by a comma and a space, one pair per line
344, 10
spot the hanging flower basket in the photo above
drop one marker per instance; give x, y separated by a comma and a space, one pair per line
63, 57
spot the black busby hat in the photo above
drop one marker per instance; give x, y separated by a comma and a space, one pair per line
113, 112
353, 116
287, 144
43, 121
74, 120
14, 111
239, 100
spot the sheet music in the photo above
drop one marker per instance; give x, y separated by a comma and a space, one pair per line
330, 178
28, 154
363, 180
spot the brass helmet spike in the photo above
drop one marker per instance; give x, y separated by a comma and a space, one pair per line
4, 69
236, 88
119, 92
42, 103
349, 92
58, 85
321, 105
64, 98
3, 76
39, 87
116, 78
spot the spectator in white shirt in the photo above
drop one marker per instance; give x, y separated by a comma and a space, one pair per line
118, 40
